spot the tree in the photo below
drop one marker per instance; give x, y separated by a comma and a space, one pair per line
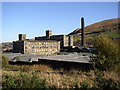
107, 51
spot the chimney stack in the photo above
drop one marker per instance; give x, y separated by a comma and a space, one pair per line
48, 33
82, 32
22, 37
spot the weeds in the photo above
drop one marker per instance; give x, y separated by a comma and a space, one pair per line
108, 53
5, 62
23, 81
102, 82
84, 85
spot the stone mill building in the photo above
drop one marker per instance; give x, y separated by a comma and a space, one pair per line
48, 44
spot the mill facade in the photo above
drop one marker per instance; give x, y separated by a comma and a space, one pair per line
36, 47
65, 40
47, 44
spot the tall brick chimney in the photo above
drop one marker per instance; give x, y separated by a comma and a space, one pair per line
82, 32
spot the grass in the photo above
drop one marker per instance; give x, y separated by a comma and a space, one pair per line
43, 76
56, 79
89, 37
27, 68
113, 35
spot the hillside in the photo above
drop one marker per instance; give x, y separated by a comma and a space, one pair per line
109, 27
7, 46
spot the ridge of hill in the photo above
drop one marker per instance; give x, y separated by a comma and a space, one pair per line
109, 27
106, 25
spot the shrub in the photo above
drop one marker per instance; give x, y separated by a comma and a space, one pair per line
9, 82
109, 83
107, 51
5, 61
23, 81
104, 83
85, 85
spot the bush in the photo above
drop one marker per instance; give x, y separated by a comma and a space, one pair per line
107, 51
101, 82
23, 81
84, 85
109, 83
106, 83
9, 82
5, 61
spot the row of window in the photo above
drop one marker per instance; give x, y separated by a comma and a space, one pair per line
33, 51
40, 43
39, 53
27, 47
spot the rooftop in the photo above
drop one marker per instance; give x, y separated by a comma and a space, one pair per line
69, 58
31, 40
50, 36
40, 40
65, 58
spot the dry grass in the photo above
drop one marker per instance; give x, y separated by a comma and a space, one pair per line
113, 75
0, 77
28, 68
59, 78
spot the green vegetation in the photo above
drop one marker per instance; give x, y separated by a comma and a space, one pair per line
5, 62
23, 81
108, 53
102, 82
113, 35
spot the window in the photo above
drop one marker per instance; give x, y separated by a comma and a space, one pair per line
25, 47
25, 51
25, 43
32, 51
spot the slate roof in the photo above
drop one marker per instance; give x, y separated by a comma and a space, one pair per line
29, 40
26, 58
66, 58
69, 58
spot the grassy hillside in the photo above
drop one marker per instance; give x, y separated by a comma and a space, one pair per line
108, 27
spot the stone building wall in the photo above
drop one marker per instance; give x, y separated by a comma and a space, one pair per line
65, 40
36, 47
18, 46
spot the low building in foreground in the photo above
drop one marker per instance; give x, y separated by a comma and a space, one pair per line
36, 47
67, 62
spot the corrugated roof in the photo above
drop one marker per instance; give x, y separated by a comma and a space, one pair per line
69, 58
66, 58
